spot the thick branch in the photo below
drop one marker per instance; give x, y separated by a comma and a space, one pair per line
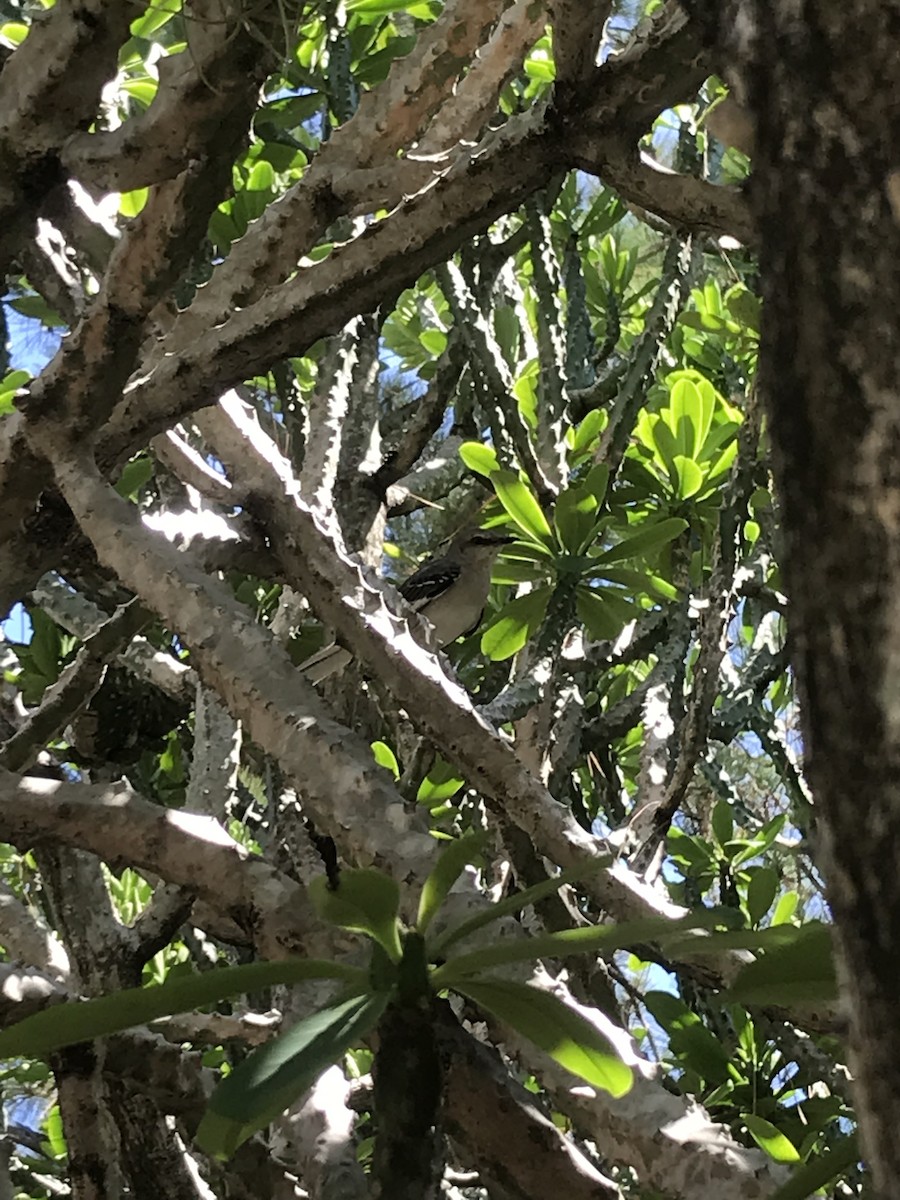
183, 848
204, 99
49, 88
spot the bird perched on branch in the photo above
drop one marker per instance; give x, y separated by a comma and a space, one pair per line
451, 591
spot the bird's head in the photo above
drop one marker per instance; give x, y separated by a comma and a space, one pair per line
484, 542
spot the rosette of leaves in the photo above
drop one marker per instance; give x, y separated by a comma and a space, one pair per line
685, 449
410, 967
582, 561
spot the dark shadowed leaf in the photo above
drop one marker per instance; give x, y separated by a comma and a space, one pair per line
514, 904
820, 1171
604, 613
79, 1021
267, 1082
800, 970
722, 822
445, 873
650, 538
365, 900
761, 892
689, 1040
575, 517
587, 940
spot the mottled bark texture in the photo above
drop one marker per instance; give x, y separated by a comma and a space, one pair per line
820, 80
408, 1156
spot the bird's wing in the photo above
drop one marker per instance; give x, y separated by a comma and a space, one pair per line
430, 581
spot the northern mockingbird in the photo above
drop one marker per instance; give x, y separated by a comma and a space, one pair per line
451, 591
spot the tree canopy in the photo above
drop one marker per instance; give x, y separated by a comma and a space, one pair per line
294, 294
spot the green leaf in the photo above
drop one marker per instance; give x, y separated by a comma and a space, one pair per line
689, 1039
441, 783
535, 552
521, 504
385, 7
79, 1021
641, 583
760, 841
659, 437
386, 758
507, 632
55, 1134
785, 908
575, 518
690, 477
589, 430
597, 482
757, 940
269, 1081
45, 646
722, 437
722, 822
585, 940
525, 391
682, 416
9, 386
513, 904
705, 322
744, 307
453, 860
820, 1171
13, 33
605, 615
261, 177
365, 900
134, 475
560, 1031
434, 341
38, 309
479, 458
770, 1139
761, 891
516, 571
539, 68
722, 464
650, 538
701, 404
689, 849
132, 203
506, 329
154, 18
143, 90
799, 970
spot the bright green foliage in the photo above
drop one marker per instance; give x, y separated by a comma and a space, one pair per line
690, 443
560, 1031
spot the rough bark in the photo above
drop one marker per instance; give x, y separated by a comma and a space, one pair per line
826, 192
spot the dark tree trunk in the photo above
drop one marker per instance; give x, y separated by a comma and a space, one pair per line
821, 81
